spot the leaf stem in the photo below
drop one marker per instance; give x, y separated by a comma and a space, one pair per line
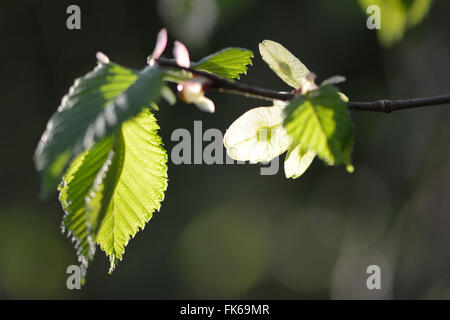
224, 85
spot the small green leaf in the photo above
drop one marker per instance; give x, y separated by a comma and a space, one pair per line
229, 63
288, 67
320, 121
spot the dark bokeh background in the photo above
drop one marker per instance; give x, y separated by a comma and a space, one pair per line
225, 231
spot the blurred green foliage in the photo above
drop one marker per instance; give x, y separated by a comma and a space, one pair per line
30, 251
222, 253
397, 16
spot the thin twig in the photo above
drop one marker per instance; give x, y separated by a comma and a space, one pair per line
224, 85
388, 106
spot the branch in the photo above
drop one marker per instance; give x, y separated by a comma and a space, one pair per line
224, 85
387, 106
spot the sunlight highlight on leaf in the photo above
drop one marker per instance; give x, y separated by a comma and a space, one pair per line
85, 101
132, 187
112, 189
287, 66
320, 121
228, 63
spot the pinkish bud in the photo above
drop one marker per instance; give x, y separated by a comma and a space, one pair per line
192, 92
161, 42
181, 54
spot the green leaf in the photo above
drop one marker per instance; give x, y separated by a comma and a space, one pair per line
131, 187
229, 63
112, 189
74, 191
144, 92
320, 121
86, 99
96, 105
288, 67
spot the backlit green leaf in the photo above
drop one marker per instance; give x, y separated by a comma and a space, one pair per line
131, 187
112, 189
74, 191
229, 63
95, 106
287, 66
320, 121
86, 99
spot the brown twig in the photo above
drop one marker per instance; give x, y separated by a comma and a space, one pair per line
386, 106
